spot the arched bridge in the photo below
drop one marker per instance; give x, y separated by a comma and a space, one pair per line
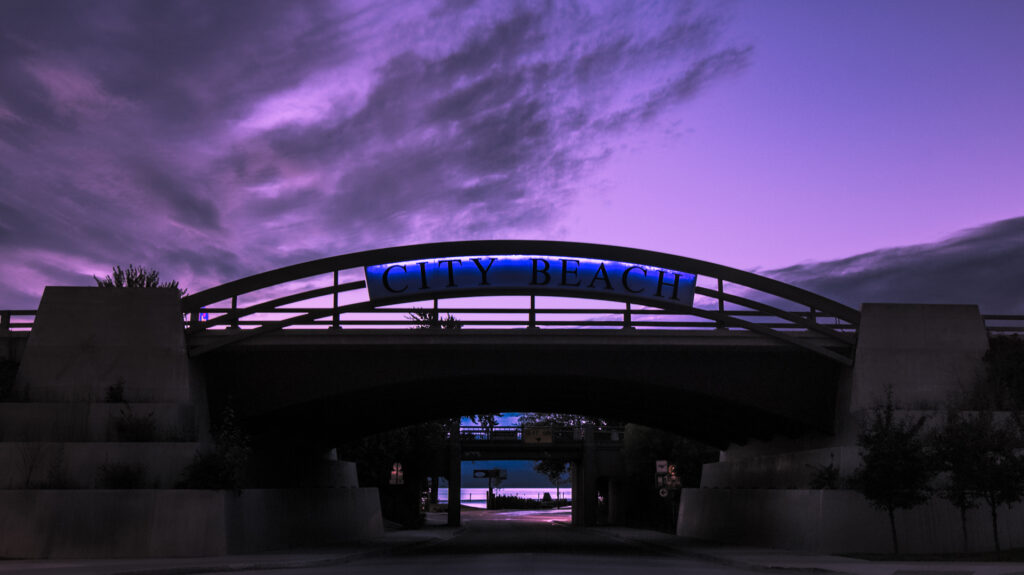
653, 291
708, 350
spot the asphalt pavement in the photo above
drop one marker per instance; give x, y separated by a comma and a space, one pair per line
492, 543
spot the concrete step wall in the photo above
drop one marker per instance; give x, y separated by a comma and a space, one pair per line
837, 521
180, 522
92, 422
90, 465
779, 471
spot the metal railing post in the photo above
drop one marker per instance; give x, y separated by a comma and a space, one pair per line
336, 323
533, 313
5, 320
234, 312
721, 303
627, 317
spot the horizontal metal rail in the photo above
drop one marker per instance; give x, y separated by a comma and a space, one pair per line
267, 307
15, 320
468, 317
521, 433
9, 323
1002, 324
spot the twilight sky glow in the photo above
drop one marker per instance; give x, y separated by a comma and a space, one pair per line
867, 150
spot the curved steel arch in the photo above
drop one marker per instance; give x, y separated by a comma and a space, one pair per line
841, 334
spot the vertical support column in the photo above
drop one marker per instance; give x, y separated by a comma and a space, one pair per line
721, 301
533, 313
454, 476
584, 482
336, 320
589, 477
576, 480
627, 317
234, 312
5, 321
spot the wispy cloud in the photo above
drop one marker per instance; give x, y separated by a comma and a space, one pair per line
983, 266
217, 139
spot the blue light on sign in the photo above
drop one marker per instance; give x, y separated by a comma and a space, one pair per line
450, 277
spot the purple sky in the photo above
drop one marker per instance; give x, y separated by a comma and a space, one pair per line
871, 151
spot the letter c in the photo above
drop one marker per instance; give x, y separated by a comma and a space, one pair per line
387, 284
625, 278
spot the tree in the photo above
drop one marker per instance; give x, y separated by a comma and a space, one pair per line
556, 470
645, 445
422, 451
539, 419
428, 319
981, 457
137, 277
897, 469
486, 420
958, 460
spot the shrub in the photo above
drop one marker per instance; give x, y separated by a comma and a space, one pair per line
121, 476
130, 427
224, 466
209, 470
115, 393
8, 369
825, 476
513, 502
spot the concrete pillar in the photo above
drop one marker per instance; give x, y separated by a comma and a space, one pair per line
589, 477
454, 477
617, 494
584, 483
576, 479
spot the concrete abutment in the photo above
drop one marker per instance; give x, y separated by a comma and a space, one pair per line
106, 396
759, 493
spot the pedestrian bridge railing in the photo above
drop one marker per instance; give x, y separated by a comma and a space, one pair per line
531, 434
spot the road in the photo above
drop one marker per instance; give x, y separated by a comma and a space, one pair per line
518, 543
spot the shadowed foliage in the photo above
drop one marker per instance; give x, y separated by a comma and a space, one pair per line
137, 277
897, 467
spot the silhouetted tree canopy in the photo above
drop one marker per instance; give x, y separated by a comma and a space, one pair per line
137, 277
897, 469
979, 454
429, 319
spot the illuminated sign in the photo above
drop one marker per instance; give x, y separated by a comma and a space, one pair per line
581, 277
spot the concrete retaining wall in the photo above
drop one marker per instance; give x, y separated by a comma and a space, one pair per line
78, 465
85, 340
925, 353
836, 521
93, 421
111, 523
779, 471
180, 523
263, 519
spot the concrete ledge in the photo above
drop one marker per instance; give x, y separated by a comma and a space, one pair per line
779, 471
266, 519
95, 422
77, 465
180, 522
836, 521
111, 523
